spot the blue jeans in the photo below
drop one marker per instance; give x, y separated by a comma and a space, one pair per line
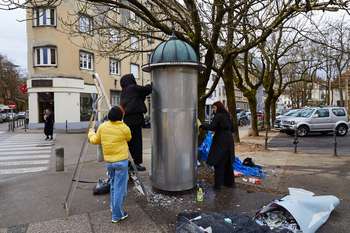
118, 174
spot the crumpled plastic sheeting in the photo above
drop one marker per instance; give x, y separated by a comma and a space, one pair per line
195, 222
203, 152
309, 211
248, 171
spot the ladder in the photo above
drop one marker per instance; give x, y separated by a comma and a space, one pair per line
77, 170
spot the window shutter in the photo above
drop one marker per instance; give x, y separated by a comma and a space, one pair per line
53, 56
52, 17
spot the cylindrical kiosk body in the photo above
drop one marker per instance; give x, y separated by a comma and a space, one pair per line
174, 136
174, 71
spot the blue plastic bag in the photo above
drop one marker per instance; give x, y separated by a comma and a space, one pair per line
204, 148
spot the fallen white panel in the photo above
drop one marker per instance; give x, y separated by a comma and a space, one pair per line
310, 211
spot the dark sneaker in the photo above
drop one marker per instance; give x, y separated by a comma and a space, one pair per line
140, 168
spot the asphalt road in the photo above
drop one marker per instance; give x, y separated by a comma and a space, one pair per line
315, 143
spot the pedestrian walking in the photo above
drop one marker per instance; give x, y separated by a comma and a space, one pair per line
221, 154
48, 126
114, 136
132, 100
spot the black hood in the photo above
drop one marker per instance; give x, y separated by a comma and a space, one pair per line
127, 80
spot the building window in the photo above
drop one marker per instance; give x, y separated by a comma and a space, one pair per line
114, 66
114, 36
86, 60
134, 69
44, 17
134, 42
149, 38
85, 24
132, 15
85, 106
115, 98
45, 56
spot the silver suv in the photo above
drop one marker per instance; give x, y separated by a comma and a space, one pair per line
323, 120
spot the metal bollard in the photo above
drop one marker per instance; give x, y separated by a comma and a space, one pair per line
99, 154
335, 152
59, 159
295, 142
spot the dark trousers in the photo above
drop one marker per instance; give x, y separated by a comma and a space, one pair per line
48, 131
223, 172
135, 144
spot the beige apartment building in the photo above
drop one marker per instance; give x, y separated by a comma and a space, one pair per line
61, 65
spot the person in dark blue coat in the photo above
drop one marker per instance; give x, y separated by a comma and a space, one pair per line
132, 100
221, 154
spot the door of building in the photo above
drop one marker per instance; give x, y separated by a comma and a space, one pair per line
45, 101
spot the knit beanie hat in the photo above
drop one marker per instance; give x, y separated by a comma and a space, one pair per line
115, 114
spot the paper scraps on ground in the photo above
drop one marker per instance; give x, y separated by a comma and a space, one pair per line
195, 222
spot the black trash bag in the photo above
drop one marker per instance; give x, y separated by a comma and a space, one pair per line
195, 222
102, 187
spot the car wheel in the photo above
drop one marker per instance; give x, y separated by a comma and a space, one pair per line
303, 131
342, 130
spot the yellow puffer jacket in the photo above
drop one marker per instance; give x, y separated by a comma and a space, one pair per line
114, 137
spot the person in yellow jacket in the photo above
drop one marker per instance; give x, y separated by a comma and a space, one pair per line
114, 136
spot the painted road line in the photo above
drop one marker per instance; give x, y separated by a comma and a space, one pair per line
25, 152
20, 163
6, 158
22, 170
37, 148
25, 146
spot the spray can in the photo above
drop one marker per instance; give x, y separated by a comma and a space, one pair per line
200, 194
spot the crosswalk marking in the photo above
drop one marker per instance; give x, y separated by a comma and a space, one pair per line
22, 170
26, 146
23, 149
5, 158
31, 162
24, 153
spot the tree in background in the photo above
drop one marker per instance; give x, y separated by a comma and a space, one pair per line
10, 83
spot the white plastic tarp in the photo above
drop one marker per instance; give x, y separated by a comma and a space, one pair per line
309, 211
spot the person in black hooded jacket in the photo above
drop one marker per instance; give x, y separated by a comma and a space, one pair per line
132, 100
221, 154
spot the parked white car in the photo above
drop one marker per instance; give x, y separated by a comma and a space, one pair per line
290, 113
323, 120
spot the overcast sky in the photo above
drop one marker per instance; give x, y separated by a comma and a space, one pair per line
13, 41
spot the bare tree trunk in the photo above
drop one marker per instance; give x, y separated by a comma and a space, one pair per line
231, 97
273, 109
254, 116
267, 115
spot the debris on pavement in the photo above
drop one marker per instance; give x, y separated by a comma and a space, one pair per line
195, 222
300, 211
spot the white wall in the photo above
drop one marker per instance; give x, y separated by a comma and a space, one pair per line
67, 107
33, 107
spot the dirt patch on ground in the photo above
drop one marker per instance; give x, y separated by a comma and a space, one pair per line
248, 147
